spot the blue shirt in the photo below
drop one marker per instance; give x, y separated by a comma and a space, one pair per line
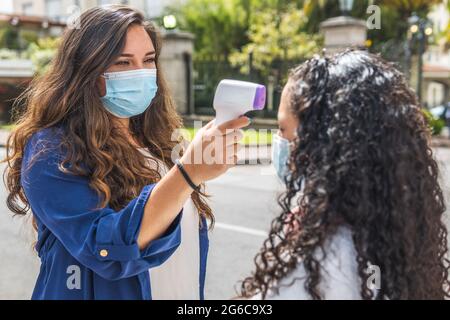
86, 252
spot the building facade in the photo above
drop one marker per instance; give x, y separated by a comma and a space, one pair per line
61, 9
436, 70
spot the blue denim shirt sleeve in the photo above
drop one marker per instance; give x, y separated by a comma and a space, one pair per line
104, 240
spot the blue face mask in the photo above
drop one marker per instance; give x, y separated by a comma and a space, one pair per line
281, 151
129, 93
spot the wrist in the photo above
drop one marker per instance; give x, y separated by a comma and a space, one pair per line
192, 171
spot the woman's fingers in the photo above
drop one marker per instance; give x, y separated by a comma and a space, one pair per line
234, 124
214, 148
230, 138
226, 155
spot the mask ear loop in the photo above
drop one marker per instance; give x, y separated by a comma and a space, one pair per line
105, 76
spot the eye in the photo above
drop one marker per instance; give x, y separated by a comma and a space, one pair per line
150, 60
122, 63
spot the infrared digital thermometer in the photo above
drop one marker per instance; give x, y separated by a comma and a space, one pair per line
234, 98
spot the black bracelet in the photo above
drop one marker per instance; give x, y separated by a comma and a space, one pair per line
186, 176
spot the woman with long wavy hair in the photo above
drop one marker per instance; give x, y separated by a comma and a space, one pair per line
117, 216
363, 211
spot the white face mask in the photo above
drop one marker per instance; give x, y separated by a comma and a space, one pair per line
281, 151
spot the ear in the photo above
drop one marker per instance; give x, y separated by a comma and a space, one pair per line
101, 86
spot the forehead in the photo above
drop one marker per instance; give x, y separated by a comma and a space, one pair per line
138, 39
285, 99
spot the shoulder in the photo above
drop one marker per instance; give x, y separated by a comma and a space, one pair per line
42, 150
45, 141
43, 163
341, 246
49, 136
339, 271
341, 278
341, 254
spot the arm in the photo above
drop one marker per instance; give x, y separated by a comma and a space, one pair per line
166, 201
172, 191
104, 240
143, 234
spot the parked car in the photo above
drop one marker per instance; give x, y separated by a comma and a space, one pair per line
442, 112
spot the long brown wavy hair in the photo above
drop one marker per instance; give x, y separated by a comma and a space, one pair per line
363, 155
67, 96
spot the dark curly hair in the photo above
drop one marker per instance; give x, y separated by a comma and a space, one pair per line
364, 159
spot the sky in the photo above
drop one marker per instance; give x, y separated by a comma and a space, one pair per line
6, 6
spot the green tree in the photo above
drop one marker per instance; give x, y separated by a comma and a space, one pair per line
221, 26
218, 25
394, 16
9, 38
318, 11
273, 42
446, 33
42, 52
406, 8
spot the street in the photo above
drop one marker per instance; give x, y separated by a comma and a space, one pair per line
243, 202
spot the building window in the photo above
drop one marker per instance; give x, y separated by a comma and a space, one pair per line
103, 2
27, 8
53, 9
434, 96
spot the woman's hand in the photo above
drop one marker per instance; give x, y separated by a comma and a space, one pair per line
213, 150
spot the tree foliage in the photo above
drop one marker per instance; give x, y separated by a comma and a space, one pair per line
42, 52
273, 41
218, 25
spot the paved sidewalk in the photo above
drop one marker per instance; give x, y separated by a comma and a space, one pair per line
3, 137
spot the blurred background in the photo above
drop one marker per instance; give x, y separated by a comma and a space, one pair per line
204, 42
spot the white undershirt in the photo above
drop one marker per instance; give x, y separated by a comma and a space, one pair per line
178, 278
340, 277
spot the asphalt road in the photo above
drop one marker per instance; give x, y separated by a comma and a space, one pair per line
244, 204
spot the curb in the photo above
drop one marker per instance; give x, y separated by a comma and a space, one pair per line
440, 142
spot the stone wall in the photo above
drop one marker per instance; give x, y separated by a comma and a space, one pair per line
176, 63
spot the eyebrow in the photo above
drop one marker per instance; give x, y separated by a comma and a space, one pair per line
132, 55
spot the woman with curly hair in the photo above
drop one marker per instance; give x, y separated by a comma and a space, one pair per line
354, 152
118, 216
